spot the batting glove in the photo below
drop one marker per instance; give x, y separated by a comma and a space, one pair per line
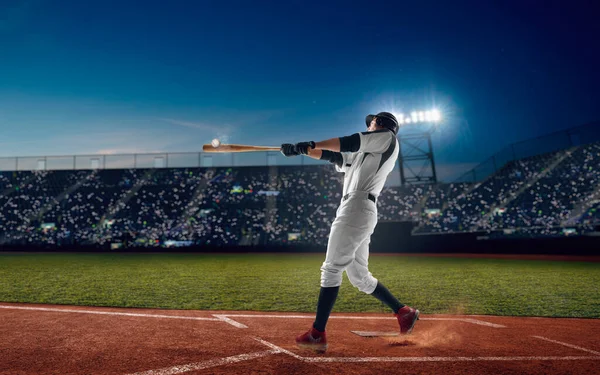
303, 147
289, 150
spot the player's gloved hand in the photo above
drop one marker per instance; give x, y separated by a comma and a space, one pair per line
303, 147
289, 150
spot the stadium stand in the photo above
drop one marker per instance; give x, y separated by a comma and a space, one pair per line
545, 194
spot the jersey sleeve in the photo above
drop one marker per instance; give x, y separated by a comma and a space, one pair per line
376, 142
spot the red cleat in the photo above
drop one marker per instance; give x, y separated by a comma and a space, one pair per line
407, 317
313, 340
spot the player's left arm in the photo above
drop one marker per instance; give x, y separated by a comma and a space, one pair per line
307, 148
331, 150
333, 157
374, 142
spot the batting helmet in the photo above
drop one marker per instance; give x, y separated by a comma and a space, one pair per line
384, 119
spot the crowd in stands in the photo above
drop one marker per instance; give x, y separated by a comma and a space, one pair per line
542, 194
284, 204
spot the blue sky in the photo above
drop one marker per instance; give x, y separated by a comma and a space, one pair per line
81, 77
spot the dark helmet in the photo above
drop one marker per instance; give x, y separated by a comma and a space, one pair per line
385, 119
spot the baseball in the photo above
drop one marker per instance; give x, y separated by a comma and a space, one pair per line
215, 143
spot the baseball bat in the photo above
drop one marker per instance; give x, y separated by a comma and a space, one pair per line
237, 148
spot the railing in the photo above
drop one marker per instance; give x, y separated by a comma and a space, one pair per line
151, 160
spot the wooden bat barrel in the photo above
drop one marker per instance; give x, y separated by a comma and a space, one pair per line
238, 148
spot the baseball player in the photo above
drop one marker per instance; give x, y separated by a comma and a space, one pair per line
366, 159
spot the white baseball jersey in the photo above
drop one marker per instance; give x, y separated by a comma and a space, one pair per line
368, 168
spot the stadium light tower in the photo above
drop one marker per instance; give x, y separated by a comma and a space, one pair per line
416, 161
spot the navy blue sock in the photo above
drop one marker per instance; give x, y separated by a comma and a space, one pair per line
327, 297
383, 294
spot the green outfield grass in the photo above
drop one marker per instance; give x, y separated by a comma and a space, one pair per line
291, 283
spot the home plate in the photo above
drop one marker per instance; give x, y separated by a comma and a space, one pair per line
375, 334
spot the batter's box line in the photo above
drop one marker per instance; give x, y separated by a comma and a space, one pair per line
227, 319
279, 349
179, 369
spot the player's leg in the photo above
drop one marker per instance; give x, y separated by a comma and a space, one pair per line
342, 244
344, 239
361, 278
358, 271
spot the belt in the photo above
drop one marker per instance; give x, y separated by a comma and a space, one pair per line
370, 197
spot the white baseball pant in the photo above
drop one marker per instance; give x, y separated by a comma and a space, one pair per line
348, 245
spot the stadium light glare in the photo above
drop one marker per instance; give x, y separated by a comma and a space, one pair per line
414, 117
400, 117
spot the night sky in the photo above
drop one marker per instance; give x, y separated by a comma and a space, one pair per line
81, 77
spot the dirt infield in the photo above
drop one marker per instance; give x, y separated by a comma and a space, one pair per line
48, 339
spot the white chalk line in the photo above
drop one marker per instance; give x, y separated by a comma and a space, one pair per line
444, 359
108, 313
465, 320
227, 317
278, 348
422, 359
567, 345
230, 321
207, 364
219, 361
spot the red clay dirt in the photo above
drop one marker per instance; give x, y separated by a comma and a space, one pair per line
48, 339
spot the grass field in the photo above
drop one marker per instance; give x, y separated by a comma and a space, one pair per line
291, 283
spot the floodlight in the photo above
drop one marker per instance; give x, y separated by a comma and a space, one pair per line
428, 115
435, 115
408, 120
414, 117
421, 116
